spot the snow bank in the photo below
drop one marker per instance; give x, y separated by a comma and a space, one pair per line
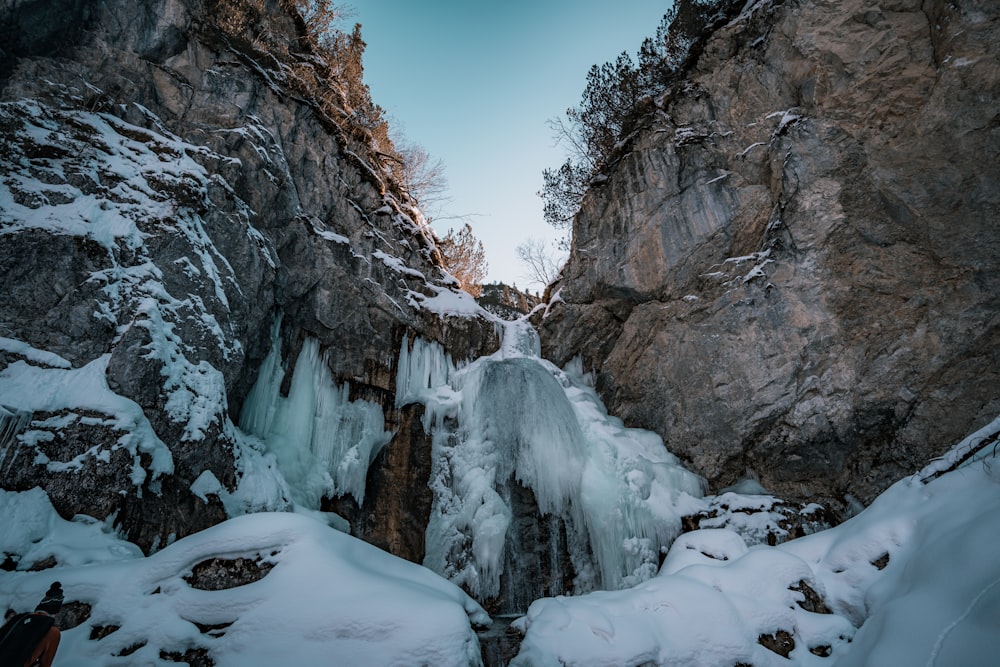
447, 301
912, 580
35, 533
329, 599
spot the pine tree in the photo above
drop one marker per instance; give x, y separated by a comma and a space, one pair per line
611, 102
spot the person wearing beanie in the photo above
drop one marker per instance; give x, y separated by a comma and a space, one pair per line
52, 602
45, 651
31, 639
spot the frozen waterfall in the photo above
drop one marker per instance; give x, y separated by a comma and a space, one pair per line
322, 441
512, 422
537, 491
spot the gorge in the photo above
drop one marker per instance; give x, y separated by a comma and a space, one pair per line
229, 348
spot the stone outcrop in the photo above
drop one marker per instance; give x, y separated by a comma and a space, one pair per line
397, 503
793, 266
507, 302
167, 194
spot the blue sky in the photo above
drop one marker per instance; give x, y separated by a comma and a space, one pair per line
475, 82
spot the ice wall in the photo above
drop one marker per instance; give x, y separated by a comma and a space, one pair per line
516, 418
323, 442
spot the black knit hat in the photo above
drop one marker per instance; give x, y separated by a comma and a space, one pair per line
52, 602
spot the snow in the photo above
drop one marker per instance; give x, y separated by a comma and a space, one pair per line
448, 301
935, 602
787, 118
206, 485
329, 599
33, 355
748, 10
35, 389
755, 518
34, 532
749, 148
397, 264
970, 448
761, 258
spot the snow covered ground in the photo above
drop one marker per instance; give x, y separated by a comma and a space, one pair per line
329, 599
912, 580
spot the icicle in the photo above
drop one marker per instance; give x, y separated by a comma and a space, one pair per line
421, 370
12, 422
261, 402
323, 442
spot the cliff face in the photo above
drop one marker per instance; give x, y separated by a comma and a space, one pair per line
793, 266
165, 195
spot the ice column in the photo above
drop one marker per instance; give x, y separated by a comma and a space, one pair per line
323, 442
12, 422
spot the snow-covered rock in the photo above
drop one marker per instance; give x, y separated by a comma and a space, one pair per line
165, 197
909, 581
296, 592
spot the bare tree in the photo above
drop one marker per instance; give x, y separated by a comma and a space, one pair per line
540, 265
422, 176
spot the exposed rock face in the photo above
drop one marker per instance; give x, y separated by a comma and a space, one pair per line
164, 195
397, 502
506, 302
794, 267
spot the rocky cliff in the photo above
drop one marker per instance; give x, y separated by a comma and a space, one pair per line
793, 265
166, 193
790, 270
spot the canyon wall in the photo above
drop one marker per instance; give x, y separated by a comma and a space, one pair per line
791, 268
166, 194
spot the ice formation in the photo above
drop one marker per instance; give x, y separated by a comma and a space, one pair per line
323, 441
12, 422
513, 417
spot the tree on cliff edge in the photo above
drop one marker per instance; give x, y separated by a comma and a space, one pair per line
593, 131
464, 257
